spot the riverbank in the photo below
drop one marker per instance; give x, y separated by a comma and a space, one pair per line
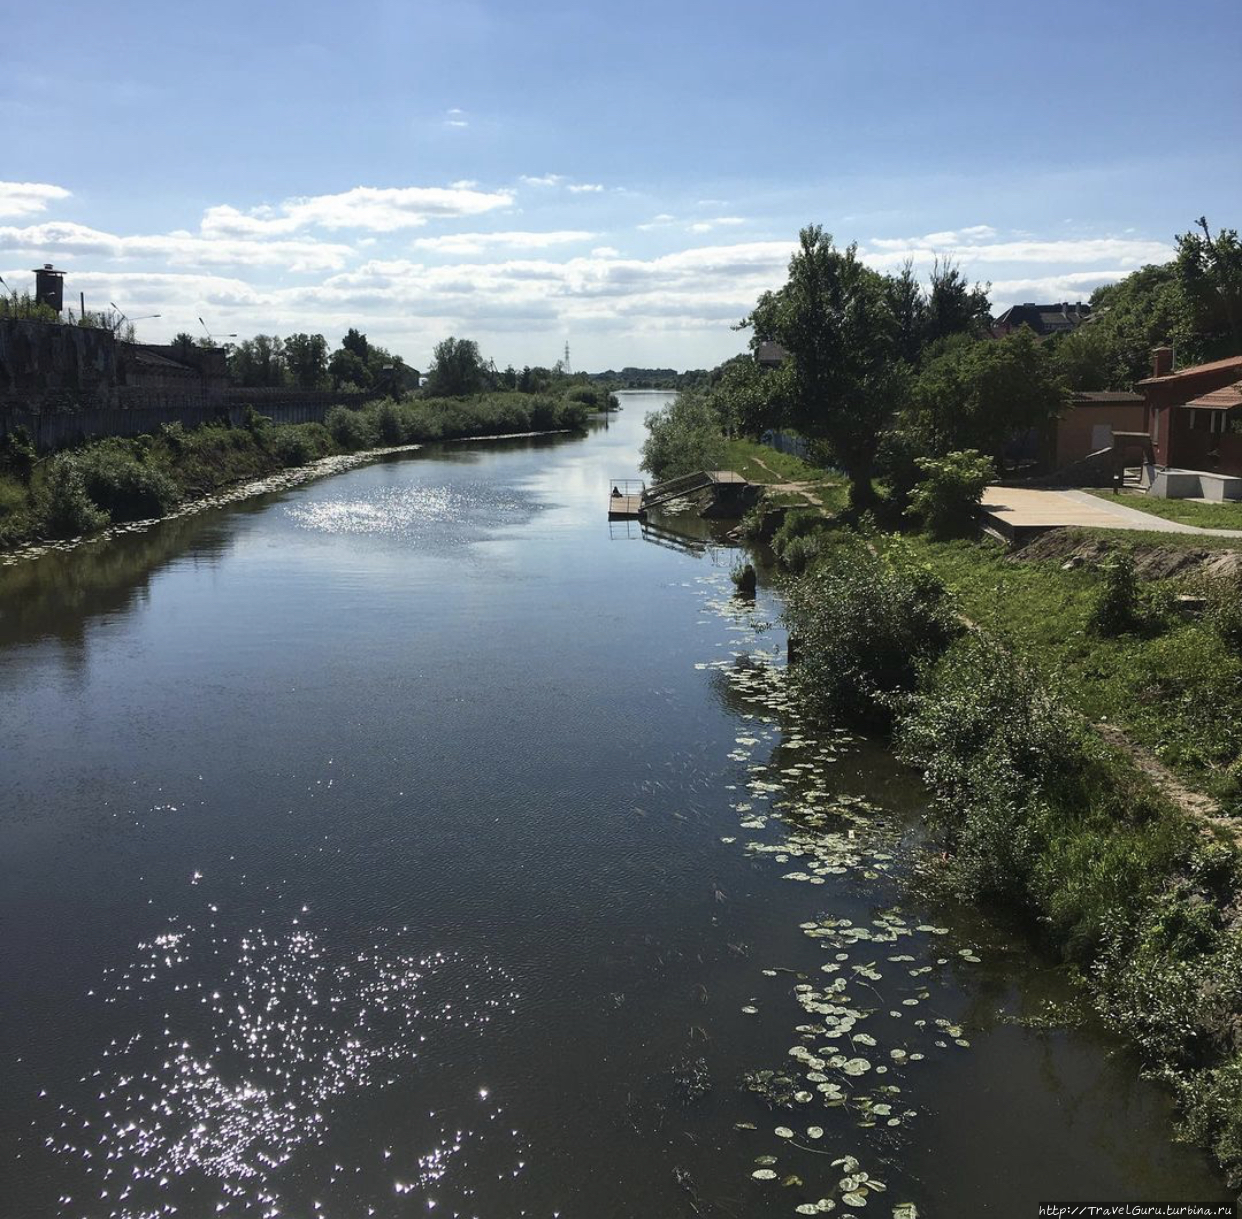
116, 481
1034, 811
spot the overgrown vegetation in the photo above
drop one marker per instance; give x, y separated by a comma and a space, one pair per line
947, 496
1034, 810
124, 479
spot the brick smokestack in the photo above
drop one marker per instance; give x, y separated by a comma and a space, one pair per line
1161, 361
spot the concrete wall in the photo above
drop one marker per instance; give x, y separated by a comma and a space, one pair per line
45, 366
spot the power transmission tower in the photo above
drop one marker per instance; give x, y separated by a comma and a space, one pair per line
566, 366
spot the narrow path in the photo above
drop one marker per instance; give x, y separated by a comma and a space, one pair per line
797, 488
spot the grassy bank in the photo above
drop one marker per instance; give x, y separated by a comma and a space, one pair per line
1034, 811
80, 491
1226, 515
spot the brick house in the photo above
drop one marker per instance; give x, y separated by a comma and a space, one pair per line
1092, 421
1194, 417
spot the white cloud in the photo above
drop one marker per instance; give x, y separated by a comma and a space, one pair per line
66, 239
1075, 286
605, 251
477, 243
28, 198
657, 222
706, 226
585, 188
380, 209
456, 118
545, 180
971, 247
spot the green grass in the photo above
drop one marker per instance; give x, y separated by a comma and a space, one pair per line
1187, 512
1132, 539
743, 456
1176, 687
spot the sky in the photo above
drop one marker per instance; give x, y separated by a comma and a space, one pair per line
623, 178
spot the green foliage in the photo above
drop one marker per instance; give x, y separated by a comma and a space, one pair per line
298, 444
458, 370
63, 509
389, 424
949, 492
1210, 273
978, 395
866, 623
259, 362
306, 357
1225, 611
351, 429
123, 484
17, 454
683, 437
1116, 607
844, 377
25, 306
747, 399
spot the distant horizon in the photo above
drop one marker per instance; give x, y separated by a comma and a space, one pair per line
627, 184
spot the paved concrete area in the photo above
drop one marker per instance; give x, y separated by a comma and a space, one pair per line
1017, 509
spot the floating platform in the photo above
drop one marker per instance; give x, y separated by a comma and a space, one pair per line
625, 508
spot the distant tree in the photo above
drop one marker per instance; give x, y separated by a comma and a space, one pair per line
844, 377
258, 362
1210, 272
683, 437
978, 394
306, 356
953, 306
356, 342
747, 399
348, 370
1146, 309
457, 371
908, 305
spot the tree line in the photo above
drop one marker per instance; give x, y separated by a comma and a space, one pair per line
882, 371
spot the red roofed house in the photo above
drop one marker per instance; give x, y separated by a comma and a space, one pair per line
1194, 416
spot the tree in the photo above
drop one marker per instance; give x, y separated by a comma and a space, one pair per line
908, 304
458, 369
979, 394
356, 342
306, 356
953, 306
844, 375
348, 370
683, 437
1210, 272
747, 399
258, 362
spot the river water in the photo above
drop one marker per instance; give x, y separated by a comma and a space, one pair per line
414, 841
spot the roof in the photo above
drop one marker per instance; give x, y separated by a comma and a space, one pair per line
1100, 397
1045, 319
769, 352
1224, 399
1196, 370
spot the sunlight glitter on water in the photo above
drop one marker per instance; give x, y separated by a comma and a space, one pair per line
399, 511
244, 1064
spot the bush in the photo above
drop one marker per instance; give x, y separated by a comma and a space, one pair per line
297, 444
63, 508
125, 487
351, 429
866, 624
388, 423
947, 496
17, 454
683, 437
1116, 606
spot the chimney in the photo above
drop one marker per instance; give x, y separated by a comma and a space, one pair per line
1161, 361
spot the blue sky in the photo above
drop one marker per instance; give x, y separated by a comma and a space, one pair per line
626, 177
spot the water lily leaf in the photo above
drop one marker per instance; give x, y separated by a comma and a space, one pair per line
814, 1132
765, 1161
854, 1199
905, 1210
847, 1164
745, 1126
792, 1179
783, 1132
763, 1174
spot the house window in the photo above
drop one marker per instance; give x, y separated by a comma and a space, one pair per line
1233, 423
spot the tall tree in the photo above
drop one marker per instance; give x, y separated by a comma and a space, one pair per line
1210, 271
953, 306
458, 369
258, 362
844, 376
306, 356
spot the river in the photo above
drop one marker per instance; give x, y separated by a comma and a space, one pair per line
416, 841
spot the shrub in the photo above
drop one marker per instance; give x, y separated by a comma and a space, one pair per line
63, 508
296, 444
17, 454
867, 623
947, 496
351, 429
683, 437
1116, 606
388, 423
125, 487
